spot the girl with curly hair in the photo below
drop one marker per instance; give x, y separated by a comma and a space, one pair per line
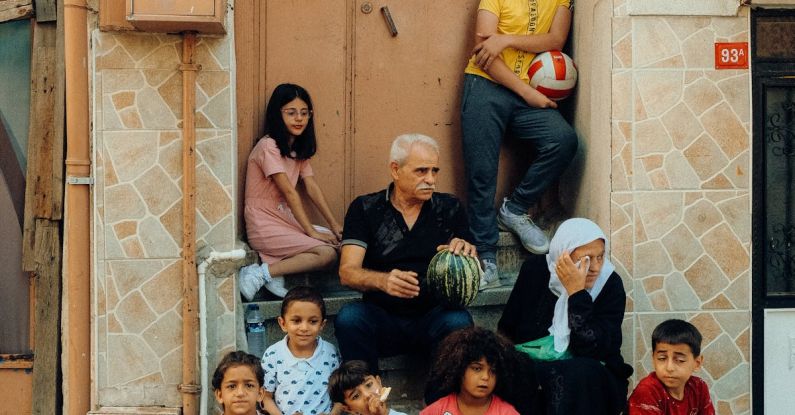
473, 371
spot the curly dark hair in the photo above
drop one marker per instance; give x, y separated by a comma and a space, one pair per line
468, 345
235, 359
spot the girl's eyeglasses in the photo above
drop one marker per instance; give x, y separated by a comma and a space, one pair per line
293, 113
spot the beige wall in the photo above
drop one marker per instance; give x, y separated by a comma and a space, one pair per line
680, 202
137, 99
585, 188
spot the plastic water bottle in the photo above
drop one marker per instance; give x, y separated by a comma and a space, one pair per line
255, 331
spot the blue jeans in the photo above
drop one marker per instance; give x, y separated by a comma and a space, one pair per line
366, 331
488, 112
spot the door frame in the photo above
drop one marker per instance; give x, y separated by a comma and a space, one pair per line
765, 72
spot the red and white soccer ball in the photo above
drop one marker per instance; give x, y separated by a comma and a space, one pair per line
553, 74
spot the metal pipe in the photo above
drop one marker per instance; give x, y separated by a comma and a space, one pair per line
76, 341
231, 256
189, 387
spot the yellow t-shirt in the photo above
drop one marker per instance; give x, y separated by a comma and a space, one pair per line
518, 17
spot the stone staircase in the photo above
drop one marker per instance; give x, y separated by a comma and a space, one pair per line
405, 373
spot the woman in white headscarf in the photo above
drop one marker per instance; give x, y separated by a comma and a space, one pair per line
566, 310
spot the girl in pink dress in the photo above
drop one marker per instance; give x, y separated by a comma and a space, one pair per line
277, 224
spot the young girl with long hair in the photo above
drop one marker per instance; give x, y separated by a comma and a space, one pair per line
277, 224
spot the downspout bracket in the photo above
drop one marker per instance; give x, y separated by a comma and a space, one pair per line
190, 388
190, 67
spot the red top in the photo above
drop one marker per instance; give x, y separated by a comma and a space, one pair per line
449, 406
651, 398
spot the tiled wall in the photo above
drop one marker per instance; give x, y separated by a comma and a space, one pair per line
137, 92
680, 205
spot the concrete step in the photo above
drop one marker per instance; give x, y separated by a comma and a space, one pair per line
406, 374
510, 256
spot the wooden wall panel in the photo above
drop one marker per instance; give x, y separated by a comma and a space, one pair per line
15, 391
46, 11
15, 9
45, 174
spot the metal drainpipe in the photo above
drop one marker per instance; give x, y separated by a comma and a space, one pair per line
77, 213
190, 388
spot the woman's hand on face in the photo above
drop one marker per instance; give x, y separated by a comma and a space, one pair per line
571, 275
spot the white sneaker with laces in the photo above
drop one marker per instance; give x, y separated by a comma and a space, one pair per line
276, 286
490, 278
532, 237
250, 279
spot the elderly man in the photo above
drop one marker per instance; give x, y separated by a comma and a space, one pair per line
389, 237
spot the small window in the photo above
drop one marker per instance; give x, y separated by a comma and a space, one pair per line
775, 37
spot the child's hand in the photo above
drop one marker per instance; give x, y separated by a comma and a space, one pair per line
336, 229
325, 237
376, 406
489, 49
536, 99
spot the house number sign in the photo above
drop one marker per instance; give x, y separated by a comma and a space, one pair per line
731, 55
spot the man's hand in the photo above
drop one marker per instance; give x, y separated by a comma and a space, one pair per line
489, 49
572, 275
459, 246
402, 284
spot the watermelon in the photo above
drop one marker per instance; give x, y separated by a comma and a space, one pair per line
453, 279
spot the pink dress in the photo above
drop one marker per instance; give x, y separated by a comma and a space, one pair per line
270, 225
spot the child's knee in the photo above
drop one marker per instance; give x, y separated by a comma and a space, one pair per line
328, 256
567, 144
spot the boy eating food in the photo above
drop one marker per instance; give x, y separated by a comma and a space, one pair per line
358, 390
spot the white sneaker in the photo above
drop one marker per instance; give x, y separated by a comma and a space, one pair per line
250, 279
276, 286
532, 237
490, 278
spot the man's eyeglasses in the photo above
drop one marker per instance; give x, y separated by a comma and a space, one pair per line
293, 113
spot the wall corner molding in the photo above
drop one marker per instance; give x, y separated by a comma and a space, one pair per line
685, 7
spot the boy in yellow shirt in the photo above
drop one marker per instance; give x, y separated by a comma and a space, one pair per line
498, 99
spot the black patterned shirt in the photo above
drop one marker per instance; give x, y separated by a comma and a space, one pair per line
373, 223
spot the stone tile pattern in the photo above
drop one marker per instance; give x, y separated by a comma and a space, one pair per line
137, 94
680, 203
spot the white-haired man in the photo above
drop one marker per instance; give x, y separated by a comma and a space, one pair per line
389, 237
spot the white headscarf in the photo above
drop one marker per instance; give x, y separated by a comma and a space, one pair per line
572, 234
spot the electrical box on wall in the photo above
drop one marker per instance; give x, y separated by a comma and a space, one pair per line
170, 16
